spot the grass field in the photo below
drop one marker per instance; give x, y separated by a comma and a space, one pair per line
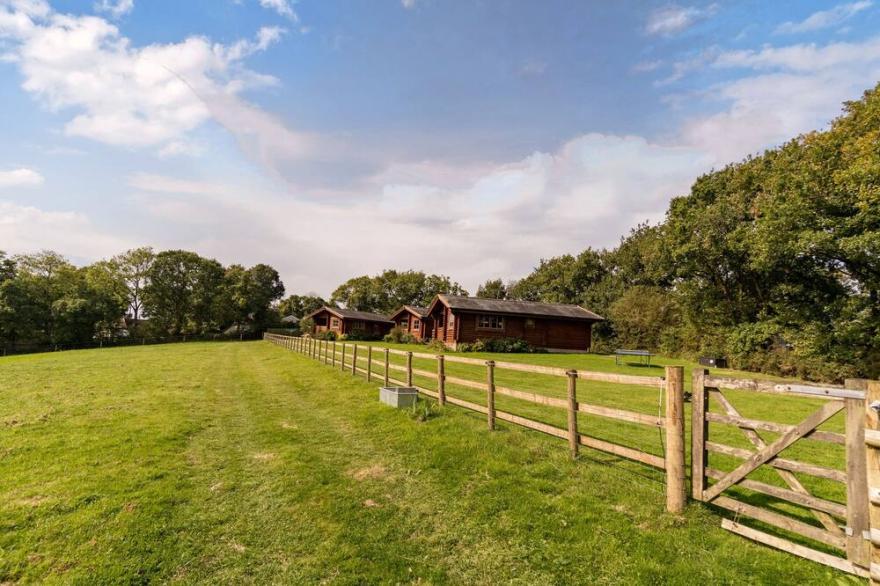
242, 462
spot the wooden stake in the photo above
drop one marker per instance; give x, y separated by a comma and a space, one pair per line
857, 508
409, 369
441, 379
333, 357
490, 394
369, 363
354, 359
872, 463
675, 490
342, 360
386, 367
699, 433
572, 413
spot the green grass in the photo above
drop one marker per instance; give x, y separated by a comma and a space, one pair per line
245, 463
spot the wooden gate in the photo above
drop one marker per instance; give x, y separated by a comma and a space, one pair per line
821, 527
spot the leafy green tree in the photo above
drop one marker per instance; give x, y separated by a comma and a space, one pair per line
492, 289
300, 305
389, 290
133, 267
182, 292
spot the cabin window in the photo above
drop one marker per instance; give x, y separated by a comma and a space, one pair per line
358, 325
490, 322
320, 321
334, 322
530, 323
404, 323
416, 325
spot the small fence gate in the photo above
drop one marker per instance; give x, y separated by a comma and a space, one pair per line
840, 528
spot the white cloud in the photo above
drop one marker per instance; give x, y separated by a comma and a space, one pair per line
785, 91
117, 8
122, 95
647, 66
28, 229
533, 68
673, 19
825, 18
282, 7
408, 4
20, 178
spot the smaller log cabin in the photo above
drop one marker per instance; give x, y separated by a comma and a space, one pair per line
552, 326
415, 321
348, 321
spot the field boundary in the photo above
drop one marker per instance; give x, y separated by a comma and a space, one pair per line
361, 359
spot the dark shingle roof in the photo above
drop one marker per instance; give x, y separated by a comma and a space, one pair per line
509, 307
419, 311
352, 314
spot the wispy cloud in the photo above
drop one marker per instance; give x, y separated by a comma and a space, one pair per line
674, 19
282, 7
116, 8
22, 177
825, 18
408, 4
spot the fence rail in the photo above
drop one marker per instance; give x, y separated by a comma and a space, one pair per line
361, 359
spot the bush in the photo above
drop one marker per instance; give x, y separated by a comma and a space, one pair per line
360, 336
398, 336
499, 345
326, 335
436, 345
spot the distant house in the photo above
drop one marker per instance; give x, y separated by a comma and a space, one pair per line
347, 321
415, 321
290, 320
554, 326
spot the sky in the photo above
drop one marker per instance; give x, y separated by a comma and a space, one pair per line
332, 139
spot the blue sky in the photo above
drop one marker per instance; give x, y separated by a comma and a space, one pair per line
333, 139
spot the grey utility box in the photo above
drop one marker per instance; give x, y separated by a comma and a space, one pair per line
398, 396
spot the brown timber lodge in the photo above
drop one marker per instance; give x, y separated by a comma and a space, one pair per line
456, 319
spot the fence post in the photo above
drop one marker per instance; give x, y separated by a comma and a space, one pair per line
354, 360
572, 413
369, 362
858, 520
872, 464
409, 369
333, 357
441, 379
490, 394
699, 432
342, 359
675, 439
386, 367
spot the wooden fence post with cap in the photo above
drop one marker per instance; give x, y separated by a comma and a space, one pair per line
675, 494
409, 369
699, 427
858, 515
572, 413
370, 362
872, 466
490, 394
441, 379
386, 367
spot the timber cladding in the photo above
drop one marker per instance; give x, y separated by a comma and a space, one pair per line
415, 321
543, 325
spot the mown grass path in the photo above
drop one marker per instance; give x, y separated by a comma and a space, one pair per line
244, 463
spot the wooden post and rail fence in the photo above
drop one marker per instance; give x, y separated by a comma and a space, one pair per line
359, 360
849, 529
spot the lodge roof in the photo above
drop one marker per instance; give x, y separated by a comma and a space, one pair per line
419, 311
351, 314
510, 307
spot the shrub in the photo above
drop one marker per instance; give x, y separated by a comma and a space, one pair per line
503, 345
436, 345
398, 336
326, 335
360, 336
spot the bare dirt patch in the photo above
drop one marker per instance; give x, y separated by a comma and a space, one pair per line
371, 472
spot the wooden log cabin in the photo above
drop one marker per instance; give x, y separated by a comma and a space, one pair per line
415, 321
348, 321
552, 326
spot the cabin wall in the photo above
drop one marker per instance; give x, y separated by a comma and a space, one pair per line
539, 332
423, 331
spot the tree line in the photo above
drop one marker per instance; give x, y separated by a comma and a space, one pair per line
45, 299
